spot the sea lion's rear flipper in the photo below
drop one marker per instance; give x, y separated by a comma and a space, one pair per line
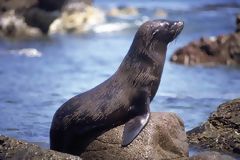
135, 125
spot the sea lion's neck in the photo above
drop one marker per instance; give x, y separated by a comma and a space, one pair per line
143, 65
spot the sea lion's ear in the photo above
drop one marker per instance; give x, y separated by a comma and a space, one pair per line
135, 125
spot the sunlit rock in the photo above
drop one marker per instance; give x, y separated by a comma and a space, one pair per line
77, 18
161, 13
6, 5
123, 12
13, 26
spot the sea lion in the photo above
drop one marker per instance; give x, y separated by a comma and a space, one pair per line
124, 98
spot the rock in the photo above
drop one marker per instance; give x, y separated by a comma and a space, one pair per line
13, 26
77, 18
162, 138
221, 131
238, 23
17, 5
161, 13
39, 18
51, 5
220, 50
14, 149
122, 11
211, 156
40, 14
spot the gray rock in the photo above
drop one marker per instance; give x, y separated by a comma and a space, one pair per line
222, 129
163, 138
18, 150
211, 155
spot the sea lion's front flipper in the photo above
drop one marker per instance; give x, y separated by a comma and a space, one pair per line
135, 125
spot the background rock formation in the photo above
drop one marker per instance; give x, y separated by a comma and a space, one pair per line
220, 50
221, 131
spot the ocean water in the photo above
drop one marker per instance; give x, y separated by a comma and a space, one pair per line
32, 88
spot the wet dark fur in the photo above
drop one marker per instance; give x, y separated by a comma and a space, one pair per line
114, 102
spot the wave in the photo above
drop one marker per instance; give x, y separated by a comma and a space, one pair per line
118, 26
27, 52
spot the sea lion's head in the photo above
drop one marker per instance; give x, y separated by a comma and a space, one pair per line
157, 32
160, 30
150, 43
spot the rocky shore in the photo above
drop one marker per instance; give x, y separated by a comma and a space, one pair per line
35, 18
221, 131
211, 51
13, 149
163, 138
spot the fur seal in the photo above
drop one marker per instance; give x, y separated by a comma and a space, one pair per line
124, 98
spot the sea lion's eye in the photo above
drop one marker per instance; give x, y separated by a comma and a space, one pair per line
155, 32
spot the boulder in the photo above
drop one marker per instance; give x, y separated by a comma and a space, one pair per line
38, 15
13, 26
211, 155
221, 131
17, 5
161, 13
238, 23
77, 18
51, 5
11, 148
220, 50
123, 11
162, 138
39, 18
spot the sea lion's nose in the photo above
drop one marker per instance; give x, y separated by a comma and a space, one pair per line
178, 23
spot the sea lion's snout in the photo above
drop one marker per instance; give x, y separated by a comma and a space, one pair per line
176, 28
165, 30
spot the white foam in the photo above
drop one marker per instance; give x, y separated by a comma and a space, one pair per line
111, 27
28, 52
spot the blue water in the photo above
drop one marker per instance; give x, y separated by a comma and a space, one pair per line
32, 88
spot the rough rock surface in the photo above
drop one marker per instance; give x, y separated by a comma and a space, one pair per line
14, 26
17, 5
220, 50
123, 11
14, 149
77, 17
40, 14
222, 129
163, 138
211, 155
